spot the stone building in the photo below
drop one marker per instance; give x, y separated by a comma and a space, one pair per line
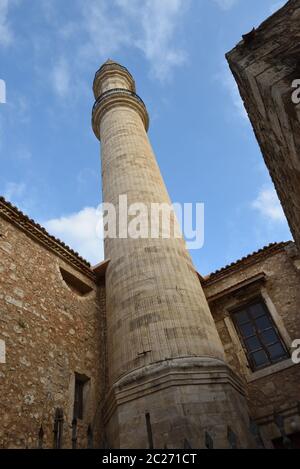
265, 285
52, 335
141, 351
266, 67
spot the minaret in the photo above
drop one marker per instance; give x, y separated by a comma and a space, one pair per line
168, 381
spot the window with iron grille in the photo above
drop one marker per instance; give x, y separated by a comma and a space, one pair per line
259, 335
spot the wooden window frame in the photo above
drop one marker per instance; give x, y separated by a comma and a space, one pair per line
264, 348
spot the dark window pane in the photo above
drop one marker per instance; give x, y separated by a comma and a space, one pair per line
242, 317
277, 351
257, 310
247, 330
260, 358
269, 337
253, 344
259, 335
263, 323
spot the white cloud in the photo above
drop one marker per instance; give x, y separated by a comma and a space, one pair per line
61, 78
268, 205
6, 35
106, 32
226, 4
80, 231
158, 24
99, 29
147, 25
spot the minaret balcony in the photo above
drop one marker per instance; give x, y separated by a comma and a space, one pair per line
112, 66
117, 97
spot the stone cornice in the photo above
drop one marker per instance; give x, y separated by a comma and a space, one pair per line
39, 234
114, 98
246, 261
237, 287
111, 68
185, 371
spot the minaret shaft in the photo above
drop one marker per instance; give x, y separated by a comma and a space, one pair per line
165, 357
154, 298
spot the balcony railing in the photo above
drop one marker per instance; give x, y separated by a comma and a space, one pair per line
113, 66
114, 91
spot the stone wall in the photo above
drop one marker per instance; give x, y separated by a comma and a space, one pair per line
272, 274
49, 332
265, 65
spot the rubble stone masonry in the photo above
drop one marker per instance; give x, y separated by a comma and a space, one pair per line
266, 67
48, 332
174, 369
273, 275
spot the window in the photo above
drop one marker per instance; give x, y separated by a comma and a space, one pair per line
75, 284
79, 396
259, 335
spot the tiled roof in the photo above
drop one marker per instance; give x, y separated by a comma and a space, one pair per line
39, 233
244, 261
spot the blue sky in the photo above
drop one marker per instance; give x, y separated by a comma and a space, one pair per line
206, 149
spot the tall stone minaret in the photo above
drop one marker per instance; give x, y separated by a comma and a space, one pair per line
168, 381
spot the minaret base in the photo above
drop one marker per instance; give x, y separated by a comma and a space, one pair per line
176, 404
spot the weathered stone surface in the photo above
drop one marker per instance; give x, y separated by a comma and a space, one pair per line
276, 388
265, 69
172, 362
49, 333
2, 352
156, 310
